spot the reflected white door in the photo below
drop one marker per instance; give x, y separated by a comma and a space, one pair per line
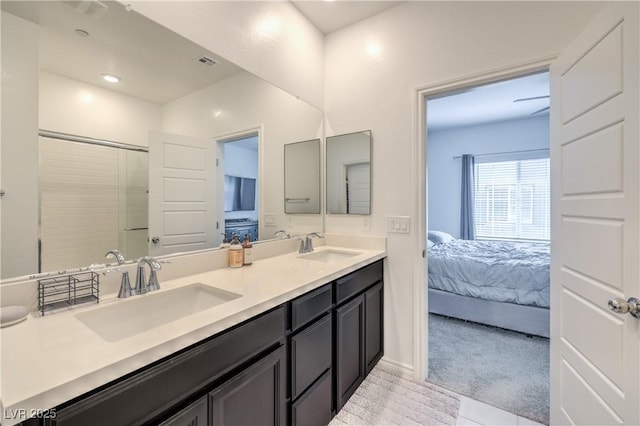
595, 375
358, 188
182, 214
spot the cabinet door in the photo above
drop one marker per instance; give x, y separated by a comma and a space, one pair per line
350, 363
310, 355
256, 396
373, 320
194, 415
314, 407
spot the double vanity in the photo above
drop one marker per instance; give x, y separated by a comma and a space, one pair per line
284, 341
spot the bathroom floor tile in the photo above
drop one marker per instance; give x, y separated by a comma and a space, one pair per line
485, 414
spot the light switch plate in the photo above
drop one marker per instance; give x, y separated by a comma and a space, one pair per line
270, 220
399, 224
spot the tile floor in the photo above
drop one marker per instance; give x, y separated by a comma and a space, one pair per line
473, 413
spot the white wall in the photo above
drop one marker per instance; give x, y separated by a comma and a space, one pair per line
19, 147
270, 39
445, 173
302, 177
244, 102
372, 71
70, 106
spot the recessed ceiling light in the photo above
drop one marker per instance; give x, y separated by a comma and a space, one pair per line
111, 78
81, 33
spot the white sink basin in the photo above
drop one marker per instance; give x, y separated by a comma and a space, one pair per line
142, 313
329, 255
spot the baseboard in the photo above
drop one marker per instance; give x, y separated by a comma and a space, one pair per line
403, 370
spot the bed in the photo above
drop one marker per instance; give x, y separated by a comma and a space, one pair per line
499, 283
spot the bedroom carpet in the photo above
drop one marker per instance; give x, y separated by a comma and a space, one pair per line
385, 398
503, 368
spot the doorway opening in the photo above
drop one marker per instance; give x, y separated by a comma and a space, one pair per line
240, 166
488, 234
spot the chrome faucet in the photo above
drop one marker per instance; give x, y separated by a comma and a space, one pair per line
283, 232
141, 286
125, 284
306, 244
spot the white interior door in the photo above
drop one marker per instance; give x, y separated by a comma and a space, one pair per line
182, 215
595, 375
358, 188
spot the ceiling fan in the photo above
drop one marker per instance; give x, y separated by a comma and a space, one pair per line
533, 98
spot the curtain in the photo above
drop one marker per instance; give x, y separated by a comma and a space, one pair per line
467, 218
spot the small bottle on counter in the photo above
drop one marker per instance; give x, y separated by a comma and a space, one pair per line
235, 253
225, 242
247, 248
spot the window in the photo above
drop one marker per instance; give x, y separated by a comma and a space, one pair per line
512, 199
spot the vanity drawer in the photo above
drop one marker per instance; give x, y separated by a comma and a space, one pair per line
310, 355
310, 306
314, 407
358, 281
195, 414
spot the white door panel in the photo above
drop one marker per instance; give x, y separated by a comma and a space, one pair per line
181, 193
599, 70
595, 374
601, 149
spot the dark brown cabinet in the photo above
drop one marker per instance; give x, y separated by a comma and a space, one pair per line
149, 395
374, 323
350, 367
311, 358
256, 396
296, 364
314, 407
359, 337
196, 414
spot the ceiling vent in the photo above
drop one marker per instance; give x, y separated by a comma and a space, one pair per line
92, 8
205, 60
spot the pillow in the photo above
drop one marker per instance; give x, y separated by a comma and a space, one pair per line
439, 237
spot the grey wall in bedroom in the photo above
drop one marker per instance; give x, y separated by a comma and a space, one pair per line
444, 171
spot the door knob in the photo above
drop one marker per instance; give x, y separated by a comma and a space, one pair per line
621, 306
155, 240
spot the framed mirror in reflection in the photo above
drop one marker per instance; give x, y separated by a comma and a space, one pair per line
168, 95
302, 177
349, 173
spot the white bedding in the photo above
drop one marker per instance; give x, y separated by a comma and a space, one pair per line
501, 271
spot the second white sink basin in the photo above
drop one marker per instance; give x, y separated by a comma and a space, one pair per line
329, 255
143, 313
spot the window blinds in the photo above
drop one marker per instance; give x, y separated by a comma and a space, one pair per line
512, 200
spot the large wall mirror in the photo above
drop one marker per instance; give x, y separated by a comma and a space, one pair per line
101, 105
302, 177
349, 173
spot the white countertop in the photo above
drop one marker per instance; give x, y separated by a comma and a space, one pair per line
49, 360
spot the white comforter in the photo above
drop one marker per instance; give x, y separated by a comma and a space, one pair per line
494, 270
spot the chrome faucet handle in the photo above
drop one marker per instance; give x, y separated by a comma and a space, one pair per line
125, 284
153, 264
141, 285
153, 281
303, 244
154, 284
283, 232
308, 241
306, 245
116, 253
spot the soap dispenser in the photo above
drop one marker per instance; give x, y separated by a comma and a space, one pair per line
235, 252
247, 249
